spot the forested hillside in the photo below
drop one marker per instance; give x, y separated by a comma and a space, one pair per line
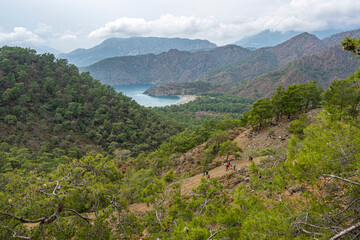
49, 110
303, 184
326, 67
171, 66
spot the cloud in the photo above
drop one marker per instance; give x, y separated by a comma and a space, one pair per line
311, 15
296, 15
20, 35
166, 25
68, 37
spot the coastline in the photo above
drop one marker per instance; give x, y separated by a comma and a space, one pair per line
185, 99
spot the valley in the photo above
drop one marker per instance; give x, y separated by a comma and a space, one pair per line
81, 160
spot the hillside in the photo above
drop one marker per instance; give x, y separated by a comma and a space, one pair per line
266, 59
114, 47
326, 67
337, 38
298, 60
303, 181
171, 66
49, 110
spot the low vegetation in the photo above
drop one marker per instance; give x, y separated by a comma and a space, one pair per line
311, 191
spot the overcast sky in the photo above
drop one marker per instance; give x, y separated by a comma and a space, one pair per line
69, 24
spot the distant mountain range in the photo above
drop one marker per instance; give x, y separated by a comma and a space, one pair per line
266, 59
298, 60
332, 64
269, 38
171, 66
115, 47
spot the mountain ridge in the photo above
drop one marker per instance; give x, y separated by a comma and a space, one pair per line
171, 66
114, 47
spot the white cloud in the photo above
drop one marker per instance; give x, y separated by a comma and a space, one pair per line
68, 37
311, 15
296, 15
20, 35
166, 25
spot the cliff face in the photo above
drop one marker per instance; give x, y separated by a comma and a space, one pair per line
172, 66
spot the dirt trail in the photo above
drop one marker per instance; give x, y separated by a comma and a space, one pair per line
192, 182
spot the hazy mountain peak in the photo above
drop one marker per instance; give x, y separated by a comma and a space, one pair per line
115, 47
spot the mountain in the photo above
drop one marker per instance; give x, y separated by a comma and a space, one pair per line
337, 38
171, 66
266, 59
115, 47
269, 38
301, 59
47, 107
265, 38
330, 65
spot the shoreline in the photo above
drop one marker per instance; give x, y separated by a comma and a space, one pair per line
185, 99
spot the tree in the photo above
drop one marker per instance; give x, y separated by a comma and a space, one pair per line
261, 112
229, 147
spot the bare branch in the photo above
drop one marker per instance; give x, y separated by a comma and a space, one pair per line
347, 208
343, 179
212, 234
78, 214
15, 234
346, 231
23, 220
56, 188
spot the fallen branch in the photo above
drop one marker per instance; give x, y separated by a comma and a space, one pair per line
346, 231
343, 179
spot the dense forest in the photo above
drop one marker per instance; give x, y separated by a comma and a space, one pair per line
308, 190
205, 107
48, 110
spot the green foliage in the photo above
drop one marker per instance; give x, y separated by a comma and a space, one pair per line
56, 105
210, 106
284, 102
341, 99
260, 113
298, 126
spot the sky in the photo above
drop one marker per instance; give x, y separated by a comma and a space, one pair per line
69, 24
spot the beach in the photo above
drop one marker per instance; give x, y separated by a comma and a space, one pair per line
185, 99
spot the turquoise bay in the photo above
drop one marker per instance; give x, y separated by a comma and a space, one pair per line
136, 92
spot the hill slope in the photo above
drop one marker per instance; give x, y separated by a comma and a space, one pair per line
114, 47
266, 59
326, 67
172, 66
46, 106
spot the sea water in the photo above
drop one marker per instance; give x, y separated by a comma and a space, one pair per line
136, 92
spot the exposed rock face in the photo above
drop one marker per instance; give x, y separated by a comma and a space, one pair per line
114, 47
